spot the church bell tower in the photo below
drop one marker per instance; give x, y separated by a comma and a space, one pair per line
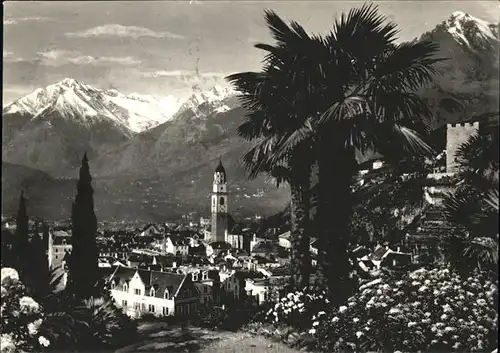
219, 204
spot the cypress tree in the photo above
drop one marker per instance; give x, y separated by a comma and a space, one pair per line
21, 244
40, 269
83, 262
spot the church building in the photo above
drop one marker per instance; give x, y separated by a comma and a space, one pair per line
222, 224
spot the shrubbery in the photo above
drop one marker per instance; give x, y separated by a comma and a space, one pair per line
94, 324
297, 308
427, 310
21, 317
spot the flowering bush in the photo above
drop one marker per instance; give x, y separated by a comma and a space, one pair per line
297, 308
427, 310
21, 317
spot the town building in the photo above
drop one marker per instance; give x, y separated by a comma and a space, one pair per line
58, 248
159, 293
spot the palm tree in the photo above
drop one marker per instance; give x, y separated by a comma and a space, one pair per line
275, 118
330, 97
355, 87
473, 207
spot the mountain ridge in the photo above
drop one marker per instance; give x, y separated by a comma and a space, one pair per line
167, 168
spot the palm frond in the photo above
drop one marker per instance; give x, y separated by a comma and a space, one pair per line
492, 199
280, 174
288, 143
362, 32
407, 66
345, 109
462, 209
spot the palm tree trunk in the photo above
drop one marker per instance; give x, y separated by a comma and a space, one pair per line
332, 222
300, 223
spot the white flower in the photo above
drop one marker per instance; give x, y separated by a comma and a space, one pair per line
428, 314
342, 309
321, 313
447, 308
4, 292
315, 323
7, 343
422, 289
335, 319
449, 329
359, 334
312, 331
8, 272
355, 320
394, 311
34, 326
44, 342
444, 317
28, 304
481, 302
289, 295
411, 324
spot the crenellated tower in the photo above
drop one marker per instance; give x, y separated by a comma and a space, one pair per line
456, 134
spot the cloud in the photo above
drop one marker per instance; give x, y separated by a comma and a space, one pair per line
182, 73
116, 30
13, 21
63, 57
8, 57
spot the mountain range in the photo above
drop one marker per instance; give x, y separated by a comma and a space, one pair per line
152, 159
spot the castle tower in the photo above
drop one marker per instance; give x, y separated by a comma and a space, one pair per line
219, 204
456, 134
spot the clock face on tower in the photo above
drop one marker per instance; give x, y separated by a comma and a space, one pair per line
223, 208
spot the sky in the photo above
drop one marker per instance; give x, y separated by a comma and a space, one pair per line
167, 48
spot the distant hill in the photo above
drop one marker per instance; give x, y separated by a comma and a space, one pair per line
152, 164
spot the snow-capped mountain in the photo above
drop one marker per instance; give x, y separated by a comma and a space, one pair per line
204, 103
471, 31
86, 104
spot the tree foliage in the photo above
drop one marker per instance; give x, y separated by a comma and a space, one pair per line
83, 262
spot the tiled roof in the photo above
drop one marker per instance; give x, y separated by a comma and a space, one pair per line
378, 254
60, 233
286, 235
156, 279
264, 247
178, 240
220, 245
281, 271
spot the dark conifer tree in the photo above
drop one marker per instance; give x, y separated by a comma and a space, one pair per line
21, 244
40, 265
83, 262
